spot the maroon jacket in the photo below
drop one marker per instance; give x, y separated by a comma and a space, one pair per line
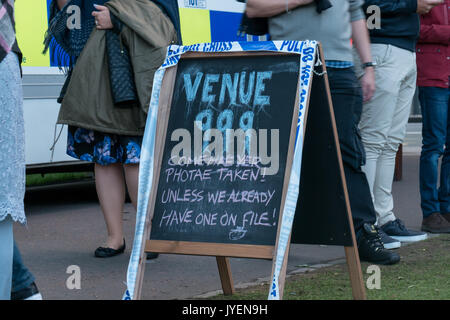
433, 48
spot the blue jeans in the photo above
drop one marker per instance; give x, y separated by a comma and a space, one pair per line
6, 257
436, 143
21, 276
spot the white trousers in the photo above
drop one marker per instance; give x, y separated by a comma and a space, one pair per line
384, 120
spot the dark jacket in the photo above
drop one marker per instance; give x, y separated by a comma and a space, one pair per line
399, 23
433, 48
88, 102
120, 68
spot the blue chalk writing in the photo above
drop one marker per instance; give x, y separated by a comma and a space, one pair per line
245, 97
261, 100
229, 85
191, 89
207, 97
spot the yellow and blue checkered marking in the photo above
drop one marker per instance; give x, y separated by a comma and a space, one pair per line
198, 25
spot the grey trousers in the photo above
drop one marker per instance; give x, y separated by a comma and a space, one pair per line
6, 257
384, 120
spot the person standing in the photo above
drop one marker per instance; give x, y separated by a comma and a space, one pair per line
334, 27
385, 117
105, 100
433, 77
12, 144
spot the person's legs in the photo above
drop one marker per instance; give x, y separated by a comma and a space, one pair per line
383, 123
23, 285
400, 68
132, 181
434, 104
22, 277
375, 118
435, 131
384, 202
110, 184
444, 189
6, 257
12, 165
347, 102
360, 199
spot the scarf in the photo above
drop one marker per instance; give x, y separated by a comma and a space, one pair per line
69, 41
7, 29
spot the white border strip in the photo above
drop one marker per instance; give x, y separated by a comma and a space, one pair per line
215, 5
309, 54
42, 71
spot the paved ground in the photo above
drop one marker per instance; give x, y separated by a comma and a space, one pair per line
413, 140
65, 225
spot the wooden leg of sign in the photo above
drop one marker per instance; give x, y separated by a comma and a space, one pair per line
226, 278
140, 276
282, 278
354, 269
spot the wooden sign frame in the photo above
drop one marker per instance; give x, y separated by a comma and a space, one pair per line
223, 251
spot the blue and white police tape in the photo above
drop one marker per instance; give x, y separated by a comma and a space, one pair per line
309, 53
145, 184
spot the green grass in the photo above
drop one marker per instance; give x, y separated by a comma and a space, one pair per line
422, 274
33, 180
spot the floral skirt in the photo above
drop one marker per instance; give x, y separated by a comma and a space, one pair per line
103, 148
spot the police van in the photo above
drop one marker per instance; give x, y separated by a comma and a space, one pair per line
201, 21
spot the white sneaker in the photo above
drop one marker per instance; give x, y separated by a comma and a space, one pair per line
29, 293
36, 296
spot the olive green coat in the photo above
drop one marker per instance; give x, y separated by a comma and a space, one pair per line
88, 102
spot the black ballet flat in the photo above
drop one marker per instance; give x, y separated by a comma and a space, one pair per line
152, 255
102, 252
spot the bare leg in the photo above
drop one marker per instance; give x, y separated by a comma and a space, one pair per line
132, 180
110, 184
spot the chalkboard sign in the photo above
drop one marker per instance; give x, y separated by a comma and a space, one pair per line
225, 152
222, 169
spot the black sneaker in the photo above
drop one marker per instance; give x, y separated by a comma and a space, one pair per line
29, 293
397, 230
371, 249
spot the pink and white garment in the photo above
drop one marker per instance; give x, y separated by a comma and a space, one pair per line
7, 29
